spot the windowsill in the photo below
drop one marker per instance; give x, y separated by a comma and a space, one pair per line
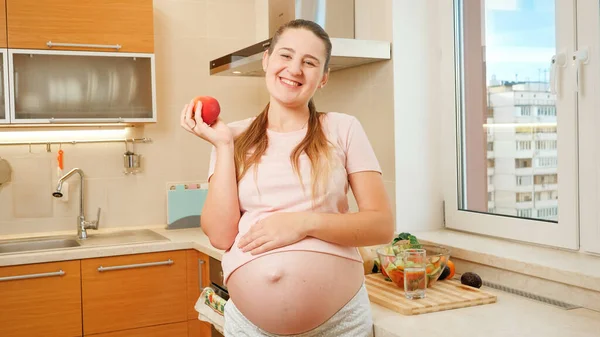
572, 268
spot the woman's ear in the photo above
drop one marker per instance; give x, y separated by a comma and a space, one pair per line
324, 79
265, 60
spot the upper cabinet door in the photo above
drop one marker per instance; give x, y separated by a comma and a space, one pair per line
81, 87
3, 24
95, 25
4, 106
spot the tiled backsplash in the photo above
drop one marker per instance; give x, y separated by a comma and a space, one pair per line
187, 35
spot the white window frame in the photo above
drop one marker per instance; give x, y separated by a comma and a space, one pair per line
588, 35
564, 233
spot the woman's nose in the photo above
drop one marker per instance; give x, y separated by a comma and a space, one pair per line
295, 68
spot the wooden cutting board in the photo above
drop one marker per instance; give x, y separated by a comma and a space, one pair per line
443, 295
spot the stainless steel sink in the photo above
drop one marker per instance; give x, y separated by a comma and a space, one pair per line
122, 238
42, 243
125, 237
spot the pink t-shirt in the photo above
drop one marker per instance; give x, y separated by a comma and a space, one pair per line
277, 188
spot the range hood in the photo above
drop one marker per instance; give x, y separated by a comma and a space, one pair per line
335, 16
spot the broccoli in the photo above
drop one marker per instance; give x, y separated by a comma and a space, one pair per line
407, 236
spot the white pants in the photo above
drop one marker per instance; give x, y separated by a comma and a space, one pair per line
353, 320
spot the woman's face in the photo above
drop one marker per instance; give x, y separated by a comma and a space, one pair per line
294, 71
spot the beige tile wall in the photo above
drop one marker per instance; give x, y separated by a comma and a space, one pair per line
188, 33
367, 92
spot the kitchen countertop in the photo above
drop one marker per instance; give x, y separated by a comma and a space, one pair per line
192, 238
510, 316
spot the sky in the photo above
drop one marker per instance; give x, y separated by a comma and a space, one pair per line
520, 39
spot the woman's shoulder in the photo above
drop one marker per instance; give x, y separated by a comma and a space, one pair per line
239, 126
338, 121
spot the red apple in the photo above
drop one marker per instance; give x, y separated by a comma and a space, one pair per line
210, 109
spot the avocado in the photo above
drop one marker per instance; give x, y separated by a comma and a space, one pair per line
376, 266
471, 279
444, 273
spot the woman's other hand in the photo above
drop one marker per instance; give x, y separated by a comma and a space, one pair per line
217, 134
278, 230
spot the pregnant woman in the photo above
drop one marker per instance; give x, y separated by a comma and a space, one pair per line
277, 201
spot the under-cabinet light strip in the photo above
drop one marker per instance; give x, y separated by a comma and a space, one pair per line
131, 140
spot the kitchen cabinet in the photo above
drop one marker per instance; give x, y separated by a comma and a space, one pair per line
81, 87
3, 43
41, 300
198, 277
133, 291
165, 330
4, 93
95, 25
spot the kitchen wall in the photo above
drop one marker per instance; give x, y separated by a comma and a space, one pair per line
367, 91
188, 33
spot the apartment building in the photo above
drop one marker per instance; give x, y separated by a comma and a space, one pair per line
522, 157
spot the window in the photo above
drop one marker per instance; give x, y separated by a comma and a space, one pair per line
524, 180
550, 212
498, 55
524, 110
546, 162
546, 111
546, 195
546, 179
523, 197
524, 213
546, 144
523, 145
522, 163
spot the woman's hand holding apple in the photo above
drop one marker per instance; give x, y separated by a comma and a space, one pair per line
204, 122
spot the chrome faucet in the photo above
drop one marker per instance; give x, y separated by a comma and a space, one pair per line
82, 224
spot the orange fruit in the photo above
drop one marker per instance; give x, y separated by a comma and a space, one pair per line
452, 270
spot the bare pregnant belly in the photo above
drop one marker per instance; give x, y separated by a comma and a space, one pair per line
295, 291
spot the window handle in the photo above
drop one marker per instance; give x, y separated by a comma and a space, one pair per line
580, 57
558, 60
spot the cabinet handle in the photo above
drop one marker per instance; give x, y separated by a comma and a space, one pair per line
137, 265
200, 266
53, 120
51, 44
29, 276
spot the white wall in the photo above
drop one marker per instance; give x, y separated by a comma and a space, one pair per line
416, 113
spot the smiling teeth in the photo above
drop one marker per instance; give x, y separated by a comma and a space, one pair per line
290, 82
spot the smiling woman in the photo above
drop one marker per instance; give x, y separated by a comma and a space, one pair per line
277, 202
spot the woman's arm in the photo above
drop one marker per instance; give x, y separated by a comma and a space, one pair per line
373, 224
221, 212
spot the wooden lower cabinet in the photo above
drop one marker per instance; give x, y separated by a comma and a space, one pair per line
133, 291
197, 278
165, 330
40, 300
197, 328
123, 296
197, 267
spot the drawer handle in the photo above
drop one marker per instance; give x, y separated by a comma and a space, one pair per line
200, 265
137, 265
51, 44
30, 276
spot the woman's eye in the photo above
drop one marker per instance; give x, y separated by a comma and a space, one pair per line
310, 63
285, 56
